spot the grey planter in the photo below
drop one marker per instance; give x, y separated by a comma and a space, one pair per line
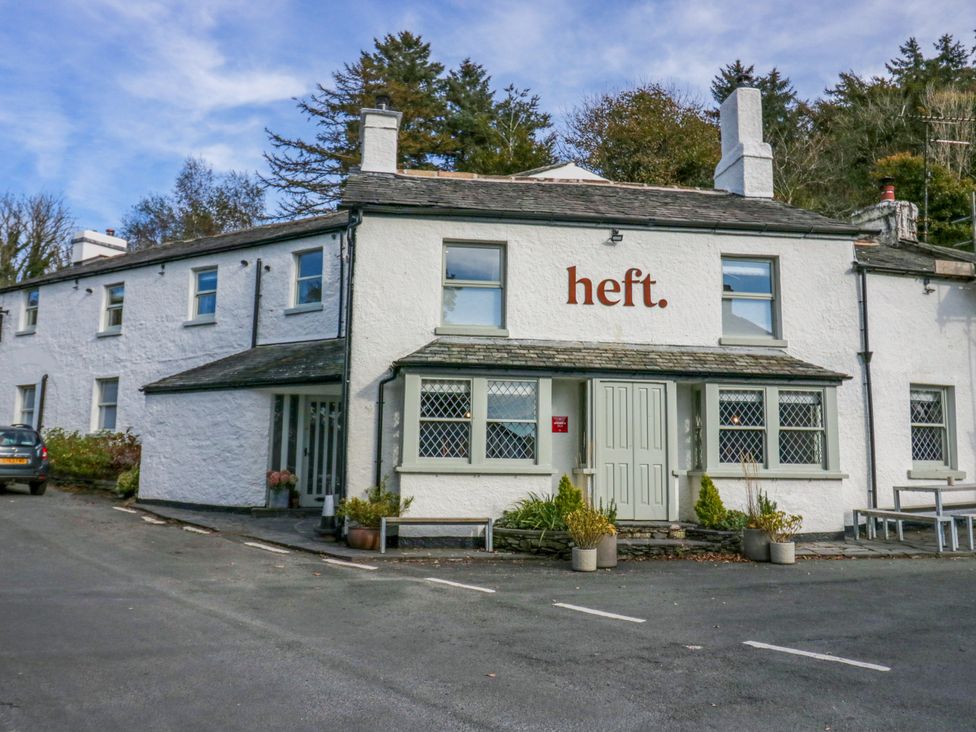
606, 552
755, 545
782, 552
584, 560
278, 499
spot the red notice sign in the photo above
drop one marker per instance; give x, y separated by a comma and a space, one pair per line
560, 424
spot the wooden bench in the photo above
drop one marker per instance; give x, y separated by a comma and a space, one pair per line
887, 514
488, 523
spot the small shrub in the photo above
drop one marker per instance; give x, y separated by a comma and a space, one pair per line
780, 526
128, 483
709, 507
379, 502
569, 498
587, 526
734, 521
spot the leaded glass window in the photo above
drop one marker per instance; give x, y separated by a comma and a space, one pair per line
742, 426
801, 428
445, 418
511, 420
929, 426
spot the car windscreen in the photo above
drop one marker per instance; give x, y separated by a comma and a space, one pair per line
16, 438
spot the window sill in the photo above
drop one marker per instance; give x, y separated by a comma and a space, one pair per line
936, 473
764, 342
109, 333
312, 307
771, 474
471, 330
199, 321
25, 332
455, 469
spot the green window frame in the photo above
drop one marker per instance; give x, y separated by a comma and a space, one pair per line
473, 280
932, 418
476, 424
750, 299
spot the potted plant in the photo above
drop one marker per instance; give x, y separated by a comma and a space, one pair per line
363, 515
781, 527
606, 550
281, 483
755, 539
587, 527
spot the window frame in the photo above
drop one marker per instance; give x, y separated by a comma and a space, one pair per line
196, 293
774, 298
29, 324
109, 308
477, 461
99, 404
772, 466
949, 467
500, 285
298, 279
22, 391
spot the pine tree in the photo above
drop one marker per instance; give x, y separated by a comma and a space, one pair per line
470, 113
709, 507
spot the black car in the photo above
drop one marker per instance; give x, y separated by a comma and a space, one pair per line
23, 458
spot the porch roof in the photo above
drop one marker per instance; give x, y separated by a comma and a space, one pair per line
274, 364
631, 358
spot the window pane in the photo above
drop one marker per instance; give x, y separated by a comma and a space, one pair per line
107, 418
926, 406
310, 291
481, 264
207, 304
444, 439
207, 281
473, 306
116, 294
109, 391
741, 409
510, 441
800, 409
511, 400
445, 399
928, 444
747, 318
33, 297
745, 275
734, 446
27, 397
276, 431
310, 264
801, 448
115, 317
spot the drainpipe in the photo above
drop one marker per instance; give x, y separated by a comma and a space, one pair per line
866, 354
328, 522
257, 303
342, 279
40, 403
378, 475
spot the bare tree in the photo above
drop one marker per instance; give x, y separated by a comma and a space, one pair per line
35, 236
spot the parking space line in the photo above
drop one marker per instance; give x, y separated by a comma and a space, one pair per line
458, 584
151, 520
601, 613
266, 548
195, 530
351, 565
818, 656
124, 509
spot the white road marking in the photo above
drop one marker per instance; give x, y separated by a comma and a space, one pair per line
195, 530
458, 584
351, 565
818, 656
124, 510
267, 548
601, 613
151, 520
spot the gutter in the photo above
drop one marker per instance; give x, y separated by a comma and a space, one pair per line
866, 355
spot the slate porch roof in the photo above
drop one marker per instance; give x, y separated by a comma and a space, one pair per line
607, 202
578, 356
307, 362
913, 257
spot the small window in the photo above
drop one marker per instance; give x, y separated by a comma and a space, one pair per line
930, 427
26, 396
114, 300
205, 293
308, 283
473, 286
31, 301
749, 298
107, 395
742, 426
511, 420
445, 418
801, 428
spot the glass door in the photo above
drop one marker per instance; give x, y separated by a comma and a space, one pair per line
318, 475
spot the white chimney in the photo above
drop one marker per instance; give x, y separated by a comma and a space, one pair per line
378, 129
746, 167
87, 245
895, 221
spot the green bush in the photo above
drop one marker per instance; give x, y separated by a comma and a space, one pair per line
546, 513
734, 521
709, 507
95, 456
128, 483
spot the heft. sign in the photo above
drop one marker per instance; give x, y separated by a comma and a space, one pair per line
608, 288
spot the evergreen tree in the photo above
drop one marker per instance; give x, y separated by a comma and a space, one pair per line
470, 114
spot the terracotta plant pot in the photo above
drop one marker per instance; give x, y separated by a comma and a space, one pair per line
584, 560
362, 538
755, 545
782, 552
606, 552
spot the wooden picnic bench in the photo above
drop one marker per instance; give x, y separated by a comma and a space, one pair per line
939, 521
487, 522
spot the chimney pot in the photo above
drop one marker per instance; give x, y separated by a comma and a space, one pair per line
110, 232
383, 101
887, 189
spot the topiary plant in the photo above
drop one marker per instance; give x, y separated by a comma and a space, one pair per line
709, 507
568, 498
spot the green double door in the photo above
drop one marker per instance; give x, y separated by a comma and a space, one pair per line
632, 448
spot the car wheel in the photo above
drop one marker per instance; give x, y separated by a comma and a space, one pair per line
37, 489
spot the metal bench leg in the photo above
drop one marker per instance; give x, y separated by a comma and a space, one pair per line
857, 528
969, 526
955, 535
382, 536
884, 522
490, 536
938, 536
901, 529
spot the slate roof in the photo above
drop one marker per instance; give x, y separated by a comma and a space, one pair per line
580, 356
194, 247
585, 201
911, 257
306, 362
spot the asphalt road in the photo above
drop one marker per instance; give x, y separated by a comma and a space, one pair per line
108, 622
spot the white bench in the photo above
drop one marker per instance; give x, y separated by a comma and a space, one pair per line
967, 515
488, 523
886, 515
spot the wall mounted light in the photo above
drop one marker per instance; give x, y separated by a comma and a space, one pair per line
615, 236
89, 290
927, 289
267, 268
244, 263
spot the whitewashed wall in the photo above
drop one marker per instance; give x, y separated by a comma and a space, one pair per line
154, 342
398, 307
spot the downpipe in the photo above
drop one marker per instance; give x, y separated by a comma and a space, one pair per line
381, 398
866, 355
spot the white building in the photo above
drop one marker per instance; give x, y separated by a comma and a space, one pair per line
506, 331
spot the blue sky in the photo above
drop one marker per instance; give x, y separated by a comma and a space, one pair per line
101, 100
